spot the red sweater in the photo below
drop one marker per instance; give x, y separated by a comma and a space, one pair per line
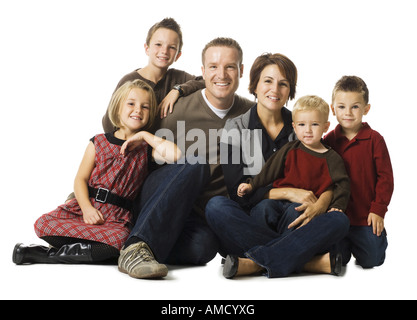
369, 167
296, 166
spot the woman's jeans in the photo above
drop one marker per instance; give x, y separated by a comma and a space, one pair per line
268, 241
166, 220
365, 246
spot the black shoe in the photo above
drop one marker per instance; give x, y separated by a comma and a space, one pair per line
70, 253
230, 267
29, 254
336, 263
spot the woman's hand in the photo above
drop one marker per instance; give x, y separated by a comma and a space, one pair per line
311, 210
292, 195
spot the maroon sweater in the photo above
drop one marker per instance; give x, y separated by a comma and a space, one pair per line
295, 166
369, 167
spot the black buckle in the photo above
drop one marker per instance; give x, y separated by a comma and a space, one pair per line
101, 195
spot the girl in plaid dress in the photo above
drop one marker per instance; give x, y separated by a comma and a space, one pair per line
94, 226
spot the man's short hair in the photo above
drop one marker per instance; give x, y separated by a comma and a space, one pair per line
224, 42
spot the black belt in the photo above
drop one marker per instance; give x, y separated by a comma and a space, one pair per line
105, 196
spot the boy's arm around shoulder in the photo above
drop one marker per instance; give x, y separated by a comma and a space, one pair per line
189, 84
192, 85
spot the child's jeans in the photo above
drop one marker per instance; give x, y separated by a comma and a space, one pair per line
367, 248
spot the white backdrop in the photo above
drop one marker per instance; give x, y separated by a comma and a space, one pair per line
61, 60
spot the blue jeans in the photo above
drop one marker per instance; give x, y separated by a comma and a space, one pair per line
275, 214
281, 252
166, 220
366, 247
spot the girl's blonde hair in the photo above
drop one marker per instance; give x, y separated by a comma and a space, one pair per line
120, 96
311, 103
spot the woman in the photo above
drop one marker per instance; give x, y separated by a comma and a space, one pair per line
258, 228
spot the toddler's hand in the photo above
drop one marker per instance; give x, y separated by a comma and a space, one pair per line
244, 188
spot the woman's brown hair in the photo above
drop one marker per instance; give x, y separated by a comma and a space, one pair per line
285, 66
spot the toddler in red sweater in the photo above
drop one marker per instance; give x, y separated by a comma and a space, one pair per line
369, 167
306, 163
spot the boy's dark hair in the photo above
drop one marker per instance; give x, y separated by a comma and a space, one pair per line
351, 84
224, 42
167, 23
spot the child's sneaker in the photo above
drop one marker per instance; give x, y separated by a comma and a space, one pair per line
138, 261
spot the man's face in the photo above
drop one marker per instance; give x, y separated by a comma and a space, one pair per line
221, 72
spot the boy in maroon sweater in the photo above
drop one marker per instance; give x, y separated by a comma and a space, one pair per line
369, 167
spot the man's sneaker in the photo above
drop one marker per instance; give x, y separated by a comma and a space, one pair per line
138, 262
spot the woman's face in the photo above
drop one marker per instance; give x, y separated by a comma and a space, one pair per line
273, 89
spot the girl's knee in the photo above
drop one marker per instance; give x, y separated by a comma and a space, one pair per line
41, 224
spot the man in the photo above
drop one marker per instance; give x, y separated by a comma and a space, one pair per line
171, 227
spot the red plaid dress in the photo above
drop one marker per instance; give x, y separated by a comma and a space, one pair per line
122, 175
